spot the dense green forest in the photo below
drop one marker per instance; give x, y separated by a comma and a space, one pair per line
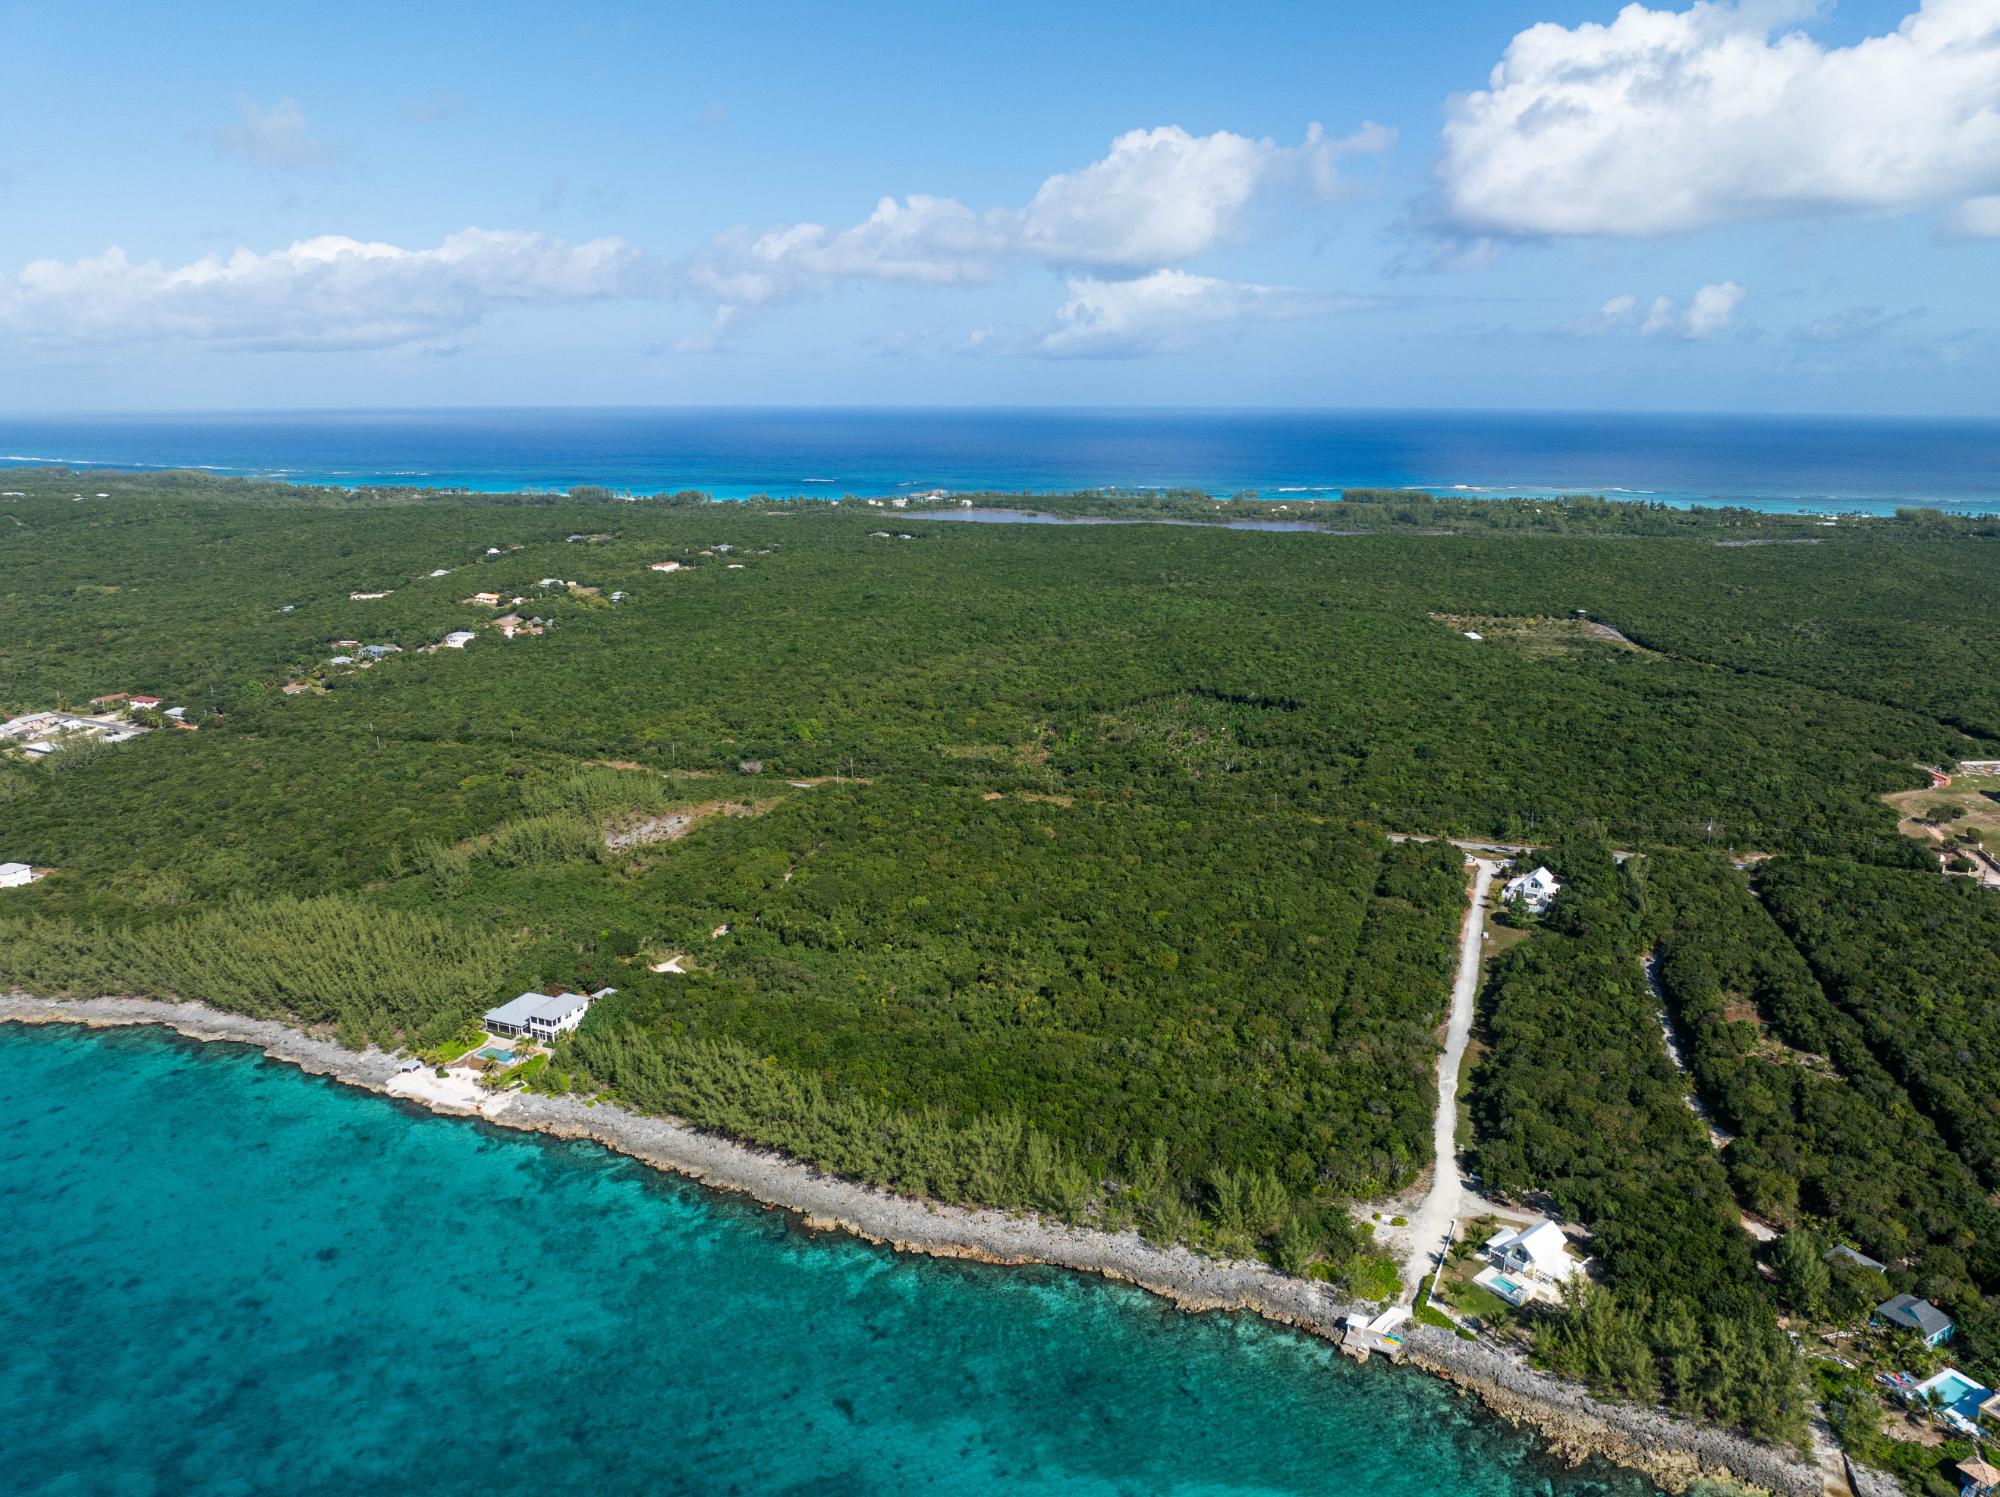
1827, 1141
1049, 860
1915, 961
1577, 1100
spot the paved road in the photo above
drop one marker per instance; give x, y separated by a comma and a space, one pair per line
1446, 1198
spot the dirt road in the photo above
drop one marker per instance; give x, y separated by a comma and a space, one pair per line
1446, 1198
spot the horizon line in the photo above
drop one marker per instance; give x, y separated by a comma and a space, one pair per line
1599, 413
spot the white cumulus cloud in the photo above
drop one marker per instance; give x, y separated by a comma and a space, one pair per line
1977, 218
1666, 121
276, 137
1164, 196
1166, 311
330, 292
1158, 197
1711, 311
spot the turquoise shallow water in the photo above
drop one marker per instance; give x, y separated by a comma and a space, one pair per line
229, 1277
1766, 462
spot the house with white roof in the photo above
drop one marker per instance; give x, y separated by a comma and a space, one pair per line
542, 1016
1529, 1263
1534, 892
15, 875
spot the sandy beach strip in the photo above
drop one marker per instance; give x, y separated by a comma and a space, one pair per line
1674, 1452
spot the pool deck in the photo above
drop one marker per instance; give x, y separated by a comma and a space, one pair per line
1524, 1290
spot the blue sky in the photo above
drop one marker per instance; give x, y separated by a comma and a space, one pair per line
1766, 206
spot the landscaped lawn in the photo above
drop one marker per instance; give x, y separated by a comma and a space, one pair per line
1469, 1298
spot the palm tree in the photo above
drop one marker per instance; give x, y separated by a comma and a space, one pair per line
1932, 1402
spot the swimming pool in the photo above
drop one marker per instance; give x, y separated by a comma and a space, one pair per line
1500, 1284
499, 1057
1956, 1391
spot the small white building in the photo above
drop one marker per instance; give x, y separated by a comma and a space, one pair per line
458, 639
15, 875
1534, 892
666, 566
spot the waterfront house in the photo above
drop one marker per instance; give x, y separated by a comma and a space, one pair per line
1538, 1248
15, 875
1977, 1478
511, 1017
558, 1015
1527, 1264
1534, 892
1908, 1313
542, 1016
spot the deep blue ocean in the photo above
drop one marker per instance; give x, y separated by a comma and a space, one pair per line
228, 1277
1792, 463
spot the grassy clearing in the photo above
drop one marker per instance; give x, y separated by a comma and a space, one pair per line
1541, 637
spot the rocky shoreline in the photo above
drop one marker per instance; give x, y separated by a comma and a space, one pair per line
1674, 1452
